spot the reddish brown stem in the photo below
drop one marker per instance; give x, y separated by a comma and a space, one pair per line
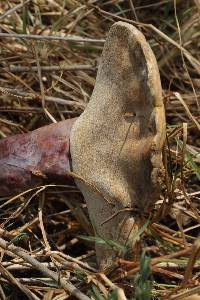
34, 158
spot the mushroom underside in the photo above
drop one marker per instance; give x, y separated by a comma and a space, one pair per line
116, 144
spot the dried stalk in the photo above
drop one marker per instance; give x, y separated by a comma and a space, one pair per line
44, 270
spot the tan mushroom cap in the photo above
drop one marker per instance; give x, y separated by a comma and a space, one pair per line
116, 144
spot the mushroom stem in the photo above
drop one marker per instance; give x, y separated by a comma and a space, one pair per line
34, 158
116, 145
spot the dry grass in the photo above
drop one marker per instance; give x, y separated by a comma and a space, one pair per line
48, 80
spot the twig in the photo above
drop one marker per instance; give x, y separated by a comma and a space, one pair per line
119, 291
42, 92
74, 39
191, 292
116, 214
194, 62
36, 281
64, 102
74, 260
13, 9
24, 95
90, 184
14, 281
189, 268
2, 295
44, 270
25, 266
182, 56
154, 261
167, 273
178, 96
75, 67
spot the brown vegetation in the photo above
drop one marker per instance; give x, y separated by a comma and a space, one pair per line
49, 80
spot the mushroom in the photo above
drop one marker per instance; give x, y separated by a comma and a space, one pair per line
115, 145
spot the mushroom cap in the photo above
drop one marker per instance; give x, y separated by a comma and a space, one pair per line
116, 144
